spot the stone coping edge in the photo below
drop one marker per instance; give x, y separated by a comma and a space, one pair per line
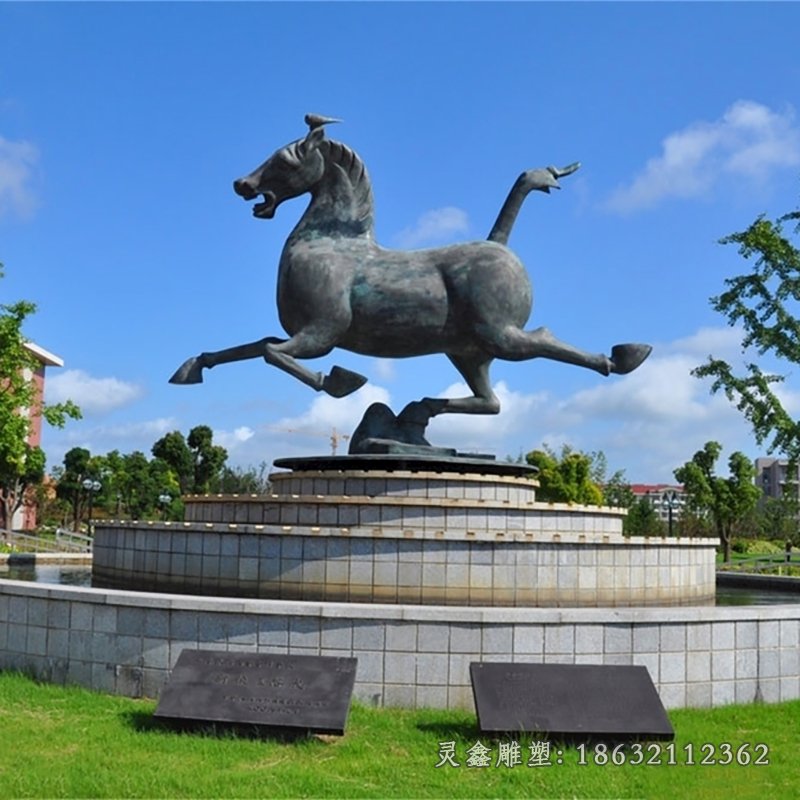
412, 500
275, 529
526, 481
402, 613
408, 462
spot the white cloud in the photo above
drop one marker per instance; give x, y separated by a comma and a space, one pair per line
662, 389
146, 430
101, 439
647, 423
331, 412
719, 342
17, 163
92, 395
230, 440
488, 433
748, 142
656, 418
328, 416
384, 369
437, 226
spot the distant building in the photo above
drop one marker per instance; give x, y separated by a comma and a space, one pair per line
25, 517
772, 476
658, 495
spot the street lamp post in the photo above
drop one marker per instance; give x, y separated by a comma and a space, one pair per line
670, 500
164, 500
91, 486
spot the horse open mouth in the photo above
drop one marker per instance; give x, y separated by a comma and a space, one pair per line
265, 210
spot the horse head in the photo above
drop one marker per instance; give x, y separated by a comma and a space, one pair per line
289, 172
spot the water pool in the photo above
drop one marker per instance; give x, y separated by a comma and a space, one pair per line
81, 575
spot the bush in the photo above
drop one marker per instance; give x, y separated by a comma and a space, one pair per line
760, 547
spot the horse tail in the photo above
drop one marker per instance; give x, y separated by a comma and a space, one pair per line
542, 179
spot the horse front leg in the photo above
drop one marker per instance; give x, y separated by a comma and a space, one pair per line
191, 371
281, 353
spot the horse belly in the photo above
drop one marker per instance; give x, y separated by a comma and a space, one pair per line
398, 313
434, 301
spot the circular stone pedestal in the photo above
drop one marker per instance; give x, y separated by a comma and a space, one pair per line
384, 529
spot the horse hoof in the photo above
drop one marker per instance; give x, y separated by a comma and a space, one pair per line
626, 357
342, 382
190, 371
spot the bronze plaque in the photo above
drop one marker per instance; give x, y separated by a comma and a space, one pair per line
278, 691
569, 701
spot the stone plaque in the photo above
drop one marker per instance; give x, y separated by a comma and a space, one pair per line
278, 691
569, 701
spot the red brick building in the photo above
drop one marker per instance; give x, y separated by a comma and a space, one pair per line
25, 517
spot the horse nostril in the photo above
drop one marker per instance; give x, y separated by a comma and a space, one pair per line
243, 188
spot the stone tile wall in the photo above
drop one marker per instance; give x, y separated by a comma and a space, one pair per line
411, 656
581, 569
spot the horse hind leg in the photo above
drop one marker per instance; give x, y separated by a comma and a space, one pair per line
626, 357
475, 371
514, 344
280, 353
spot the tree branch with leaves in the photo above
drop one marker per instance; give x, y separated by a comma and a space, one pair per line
766, 303
727, 501
21, 464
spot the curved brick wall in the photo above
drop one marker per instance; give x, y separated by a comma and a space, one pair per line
404, 537
266, 561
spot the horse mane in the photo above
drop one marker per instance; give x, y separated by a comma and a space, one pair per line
342, 156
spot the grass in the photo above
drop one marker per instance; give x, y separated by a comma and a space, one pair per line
69, 742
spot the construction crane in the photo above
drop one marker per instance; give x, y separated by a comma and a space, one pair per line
334, 437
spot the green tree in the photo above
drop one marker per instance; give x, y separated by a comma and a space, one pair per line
765, 302
209, 458
138, 488
21, 465
195, 461
617, 491
728, 501
164, 484
75, 469
113, 479
565, 479
250, 480
694, 523
777, 518
642, 519
173, 451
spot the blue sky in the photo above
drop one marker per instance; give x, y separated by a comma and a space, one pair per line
122, 127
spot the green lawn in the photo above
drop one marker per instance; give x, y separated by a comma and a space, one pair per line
69, 742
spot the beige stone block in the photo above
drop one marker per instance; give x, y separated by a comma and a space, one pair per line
480, 596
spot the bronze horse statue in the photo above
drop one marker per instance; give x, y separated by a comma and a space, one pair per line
337, 287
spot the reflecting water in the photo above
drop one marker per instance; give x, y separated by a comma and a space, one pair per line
736, 596
59, 574
70, 575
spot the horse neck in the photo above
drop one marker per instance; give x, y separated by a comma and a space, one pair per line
341, 202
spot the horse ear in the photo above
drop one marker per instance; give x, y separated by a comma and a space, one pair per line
312, 140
